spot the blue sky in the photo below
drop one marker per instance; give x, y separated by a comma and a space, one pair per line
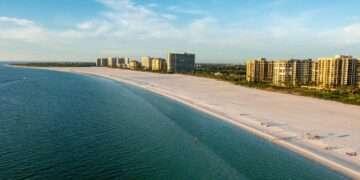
216, 30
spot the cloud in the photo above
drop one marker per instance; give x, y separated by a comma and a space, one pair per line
169, 16
347, 36
124, 19
125, 27
186, 10
353, 30
86, 25
12, 28
12, 20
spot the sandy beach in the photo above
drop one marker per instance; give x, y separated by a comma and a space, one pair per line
325, 131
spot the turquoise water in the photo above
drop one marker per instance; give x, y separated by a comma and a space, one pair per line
64, 126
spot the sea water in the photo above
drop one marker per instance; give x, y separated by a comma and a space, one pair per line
57, 125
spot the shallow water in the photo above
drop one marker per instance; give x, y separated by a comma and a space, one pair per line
64, 126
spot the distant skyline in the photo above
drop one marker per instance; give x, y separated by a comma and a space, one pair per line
228, 31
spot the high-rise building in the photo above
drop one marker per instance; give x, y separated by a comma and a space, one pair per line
358, 72
336, 72
180, 63
292, 72
146, 62
119, 62
315, 74
122, 62
269, 71
303, 71
283, 73
112, 62
98, 62
259, 70
159, 65
134, 65
104, 62
127, 62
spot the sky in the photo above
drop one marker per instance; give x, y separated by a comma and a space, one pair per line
219, 31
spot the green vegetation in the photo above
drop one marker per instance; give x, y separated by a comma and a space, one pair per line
160, 72
236, 74
56, 64
349, 95
226, 72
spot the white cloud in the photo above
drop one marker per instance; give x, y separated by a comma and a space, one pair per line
125, 19
12, 20
343, 36
186, 10
353, 30
169, 16
125, 26
86, 25
128, 28
20, 29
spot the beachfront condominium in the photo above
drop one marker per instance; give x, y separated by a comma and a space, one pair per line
337, 71
146, 63
328, 73
358, 72
103, 61
292, 72
127, 62
303, 71
159, 65
180, 63
259, 70
283, 73
98, 62
112, 62
315, 74
134, 65
121, 62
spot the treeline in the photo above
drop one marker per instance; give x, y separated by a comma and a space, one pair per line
227, 72
236, 74
56, 64
347, 95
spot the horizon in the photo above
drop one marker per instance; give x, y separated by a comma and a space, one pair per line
42, 30
235, 62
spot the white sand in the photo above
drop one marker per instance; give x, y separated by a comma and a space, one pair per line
288, 117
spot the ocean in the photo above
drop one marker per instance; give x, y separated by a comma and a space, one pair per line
57, 125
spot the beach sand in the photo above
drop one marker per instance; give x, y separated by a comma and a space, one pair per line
325, 131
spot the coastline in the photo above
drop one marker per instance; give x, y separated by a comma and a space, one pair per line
304, 148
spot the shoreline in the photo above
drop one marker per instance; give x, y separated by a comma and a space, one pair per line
301, 148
